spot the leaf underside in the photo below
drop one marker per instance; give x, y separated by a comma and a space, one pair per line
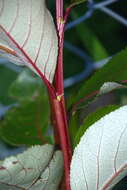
28, 36
38, 168
91, 119
99, 161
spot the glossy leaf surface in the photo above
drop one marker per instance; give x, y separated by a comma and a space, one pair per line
29, 120
114, 71
27, 87
8, 77
28, 36
26, 123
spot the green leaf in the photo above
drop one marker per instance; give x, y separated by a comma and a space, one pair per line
110, 86
73, 127
90, 41
91, 119
40, 167
7, 76
75, 118
27, 123
26, 86
75, 2
114, 70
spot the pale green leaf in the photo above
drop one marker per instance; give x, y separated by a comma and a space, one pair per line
91, 119
100, 159
38, 168
110, 86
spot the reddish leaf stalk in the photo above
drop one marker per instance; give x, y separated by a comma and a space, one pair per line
63, 134
83, 100
50, 87
58, 110
59, 115
60, 31
57, 102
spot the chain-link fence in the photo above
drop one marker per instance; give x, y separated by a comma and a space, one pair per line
89, 65
103, 6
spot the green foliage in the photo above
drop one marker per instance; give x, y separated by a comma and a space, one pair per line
114, 70
91, 119
73, 127
90, 41
26, 86
75, 119
76, 2
6, 78
28, 122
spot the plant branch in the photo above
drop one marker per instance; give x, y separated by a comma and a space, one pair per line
61, 21
74, 108
59, 115
60, 25
63, 134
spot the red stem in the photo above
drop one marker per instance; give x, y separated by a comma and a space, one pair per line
64, 142
58, 104
59, 72
83, 100
60, 32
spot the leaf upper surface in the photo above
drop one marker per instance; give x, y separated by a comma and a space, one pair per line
114, 71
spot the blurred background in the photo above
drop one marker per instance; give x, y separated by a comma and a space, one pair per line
96, 31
